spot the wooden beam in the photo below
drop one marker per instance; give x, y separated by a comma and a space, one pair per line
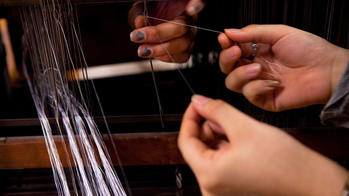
140, 149
124, 119
133, 149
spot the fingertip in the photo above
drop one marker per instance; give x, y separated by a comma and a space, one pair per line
228, 119
139, 22
194, 7
237, 50
257, 92
220, 38
232, 31
253, 70
216, 128
228, 59
241, 76
145, 51
272, 83
224, 41
200, 104
189, 142
199, 100
256, 88
207, 133
191, 114
234, 34
137, 36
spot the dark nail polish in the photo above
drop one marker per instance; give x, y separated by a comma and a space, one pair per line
146, 52
196, 7
139, 36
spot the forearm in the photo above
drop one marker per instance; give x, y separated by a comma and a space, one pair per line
329, 179
310, 174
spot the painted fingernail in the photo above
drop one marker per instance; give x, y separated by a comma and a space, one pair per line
194, 9
139, 36
252, 70
233, 31
146, 52
272, 83
199, 99
216, 127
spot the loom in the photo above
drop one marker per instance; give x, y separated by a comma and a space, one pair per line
148, 151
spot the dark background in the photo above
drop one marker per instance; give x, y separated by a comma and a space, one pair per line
105, 37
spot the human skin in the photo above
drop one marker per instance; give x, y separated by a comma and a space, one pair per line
292, 69
255, 159
166, 41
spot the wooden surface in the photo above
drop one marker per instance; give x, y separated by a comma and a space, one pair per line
134, 149
124, 119
139, 149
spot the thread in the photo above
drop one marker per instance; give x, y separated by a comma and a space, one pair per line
145, 13
187, 25
161, 112
50, 37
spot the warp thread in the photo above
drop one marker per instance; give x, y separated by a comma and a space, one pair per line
53, 49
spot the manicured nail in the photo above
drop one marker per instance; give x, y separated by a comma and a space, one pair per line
146, 52
252, 70
233, 31
139, 36
194, 9
199, 99
216, 127
272, 83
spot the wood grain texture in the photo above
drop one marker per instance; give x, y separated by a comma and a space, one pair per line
141, 149
133, 149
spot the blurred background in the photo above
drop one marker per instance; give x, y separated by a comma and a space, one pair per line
105, 36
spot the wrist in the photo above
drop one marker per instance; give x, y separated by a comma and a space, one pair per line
339, 63
329, 179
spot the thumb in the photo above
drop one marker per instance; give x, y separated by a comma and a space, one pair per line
189, 142
231, 120
267, 34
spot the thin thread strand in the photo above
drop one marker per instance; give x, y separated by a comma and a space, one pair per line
191, 26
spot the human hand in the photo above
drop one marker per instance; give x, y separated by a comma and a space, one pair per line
254, 159
168, 42
291, 69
